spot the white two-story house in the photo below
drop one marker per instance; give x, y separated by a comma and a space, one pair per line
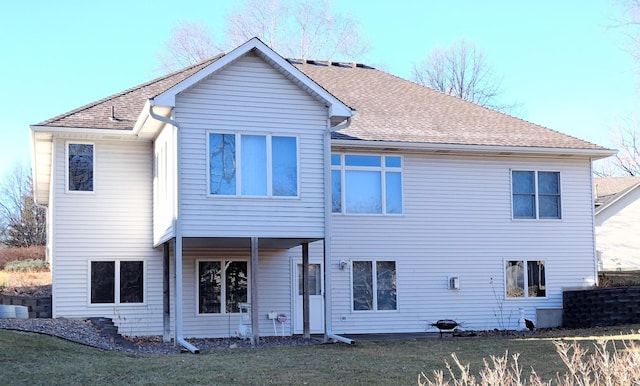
173, 204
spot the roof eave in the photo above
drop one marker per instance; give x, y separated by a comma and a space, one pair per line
470, 149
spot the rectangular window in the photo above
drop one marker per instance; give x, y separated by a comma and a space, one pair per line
127, 286
366, 184
80, 167
529, 274
222, 280
536, 194
253, 165
374, 285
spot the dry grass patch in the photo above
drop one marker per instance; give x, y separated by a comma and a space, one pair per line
20, 279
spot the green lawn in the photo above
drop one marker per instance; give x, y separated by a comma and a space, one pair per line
27, 358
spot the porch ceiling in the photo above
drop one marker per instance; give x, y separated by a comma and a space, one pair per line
244, 242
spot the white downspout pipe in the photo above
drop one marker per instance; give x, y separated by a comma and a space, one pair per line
328, 315
178, 236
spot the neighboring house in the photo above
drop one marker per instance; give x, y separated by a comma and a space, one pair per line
173, 203
617, 215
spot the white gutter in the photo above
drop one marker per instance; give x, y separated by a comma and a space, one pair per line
328, 327
178, 235
447, 148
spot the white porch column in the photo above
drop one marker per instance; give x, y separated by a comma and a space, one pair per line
255, 334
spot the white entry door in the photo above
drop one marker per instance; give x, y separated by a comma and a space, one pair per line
316, 303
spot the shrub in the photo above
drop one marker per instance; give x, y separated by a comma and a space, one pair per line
602, 367
17, 254
27, 265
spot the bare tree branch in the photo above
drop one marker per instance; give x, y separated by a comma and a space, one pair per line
301, 29
190, 43
461, 70
22, 222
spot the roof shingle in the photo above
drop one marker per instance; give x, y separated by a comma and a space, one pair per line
388, 108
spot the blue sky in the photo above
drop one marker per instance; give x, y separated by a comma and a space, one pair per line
558, 59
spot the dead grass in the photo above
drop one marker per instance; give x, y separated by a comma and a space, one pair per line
393, 362
20, 279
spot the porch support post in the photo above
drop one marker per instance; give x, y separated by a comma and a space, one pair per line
255, 334
166, 304
306, 330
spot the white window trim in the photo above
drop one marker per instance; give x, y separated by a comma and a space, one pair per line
375, 286
66, 167
223, 293
117, 283
383, 180
238, 160
526, 279
537, 195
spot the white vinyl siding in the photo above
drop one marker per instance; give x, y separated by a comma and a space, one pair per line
163, 186
617, 234
457, 222
112, 223
250, 96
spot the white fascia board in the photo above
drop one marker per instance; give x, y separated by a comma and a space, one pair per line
97, 133
336, 107
444, 148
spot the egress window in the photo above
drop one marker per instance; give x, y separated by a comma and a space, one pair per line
253, 165
525, 278
80, 167
222, 284
536, 194
117, 282
364, 183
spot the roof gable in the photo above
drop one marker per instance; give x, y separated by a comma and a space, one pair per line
337, 109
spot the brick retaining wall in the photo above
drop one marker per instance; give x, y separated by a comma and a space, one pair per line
38, 307
601, 307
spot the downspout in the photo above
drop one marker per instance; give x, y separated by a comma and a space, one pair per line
178, 235
328, 333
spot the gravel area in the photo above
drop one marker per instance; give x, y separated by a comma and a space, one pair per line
86, 333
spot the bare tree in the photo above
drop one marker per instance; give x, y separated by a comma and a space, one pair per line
22, 222
629, 23
301, 29
461, 70
626, 138
190, 43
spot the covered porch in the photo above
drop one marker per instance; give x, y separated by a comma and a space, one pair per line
245, 270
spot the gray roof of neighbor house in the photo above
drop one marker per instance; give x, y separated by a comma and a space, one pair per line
609, 189
388, 108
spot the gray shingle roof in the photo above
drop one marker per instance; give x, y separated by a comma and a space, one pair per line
608, 189
388, 108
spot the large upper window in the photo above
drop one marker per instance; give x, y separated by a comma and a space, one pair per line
222, 284
525, 274
253, 165
535, 194
364, 183
374, 285
117, 282
80, 167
